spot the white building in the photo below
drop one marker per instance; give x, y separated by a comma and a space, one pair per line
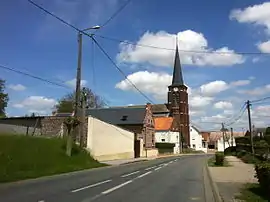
163, 134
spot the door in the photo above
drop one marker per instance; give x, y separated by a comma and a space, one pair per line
137, 144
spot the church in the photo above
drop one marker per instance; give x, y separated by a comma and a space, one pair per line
140, 119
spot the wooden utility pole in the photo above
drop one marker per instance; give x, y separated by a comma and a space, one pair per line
232, 136
82, 121
223, 134
249, 124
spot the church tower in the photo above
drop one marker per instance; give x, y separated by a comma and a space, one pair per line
178, 101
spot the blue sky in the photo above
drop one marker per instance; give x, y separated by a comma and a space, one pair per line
34, 42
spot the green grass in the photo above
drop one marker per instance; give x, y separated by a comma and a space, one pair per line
252, 193
24, 157
211, 163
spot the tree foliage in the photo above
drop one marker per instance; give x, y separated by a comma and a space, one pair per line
3, 98
66, 103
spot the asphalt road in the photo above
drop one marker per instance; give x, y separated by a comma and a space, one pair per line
162, 180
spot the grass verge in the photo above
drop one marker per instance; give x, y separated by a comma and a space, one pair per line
252, 193
24, 157
212, 163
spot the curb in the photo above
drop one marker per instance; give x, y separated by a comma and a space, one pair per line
214, 187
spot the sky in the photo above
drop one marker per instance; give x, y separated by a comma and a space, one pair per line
212, 36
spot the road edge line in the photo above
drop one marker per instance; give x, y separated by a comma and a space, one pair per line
214, 187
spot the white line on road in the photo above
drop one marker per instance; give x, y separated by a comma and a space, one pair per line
144, 174
175, 160
116, 187
165, 164
90, 186
150, 168
130, 174
158, 168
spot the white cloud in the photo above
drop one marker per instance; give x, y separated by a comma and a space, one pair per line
72, 83
264, 47
37, 104
256, 91
255, 59
149, 82
258, 15
240, 82
17, 87
188, 40
199, 101
213, 87
223, 105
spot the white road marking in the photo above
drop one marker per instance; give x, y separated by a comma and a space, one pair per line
165, 164
175, 160
90, 186
116, 187
150, 168
144, 174
41, 201
158, 168
130, 174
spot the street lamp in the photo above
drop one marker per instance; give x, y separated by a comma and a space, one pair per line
78, 84
78, 77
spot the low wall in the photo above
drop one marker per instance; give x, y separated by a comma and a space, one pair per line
149, 153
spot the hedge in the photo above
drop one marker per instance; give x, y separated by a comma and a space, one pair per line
263, 175
165, 145
219, 158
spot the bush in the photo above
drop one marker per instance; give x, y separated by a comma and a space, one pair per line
219, 158
165, 145
263, 175
230, 151
242, 140
241, 153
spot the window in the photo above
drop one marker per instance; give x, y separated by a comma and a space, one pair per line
162, 140
194, 146
191, 130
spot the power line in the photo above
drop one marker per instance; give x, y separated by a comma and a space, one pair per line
238, 118
121, 71
241, 112
115, 14
53, 15
259, 100
181, 50
33, 76
91, 36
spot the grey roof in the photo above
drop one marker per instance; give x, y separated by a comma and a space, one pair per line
118, 116
177, 70
156, 108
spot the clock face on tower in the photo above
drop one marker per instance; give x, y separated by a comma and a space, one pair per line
175, 89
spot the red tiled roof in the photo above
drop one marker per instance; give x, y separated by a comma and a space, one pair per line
163, 123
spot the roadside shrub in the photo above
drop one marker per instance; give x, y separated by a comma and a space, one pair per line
242, 140
263, 175
241, 153
219, 158
230, 151
165, 147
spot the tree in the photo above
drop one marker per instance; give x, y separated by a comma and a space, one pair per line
3, 99
65, 104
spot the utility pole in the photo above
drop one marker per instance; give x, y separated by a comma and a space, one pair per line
232, 136
76, 130
249, 124
83, 107
223, 135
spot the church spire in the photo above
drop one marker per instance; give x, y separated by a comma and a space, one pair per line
177, 70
